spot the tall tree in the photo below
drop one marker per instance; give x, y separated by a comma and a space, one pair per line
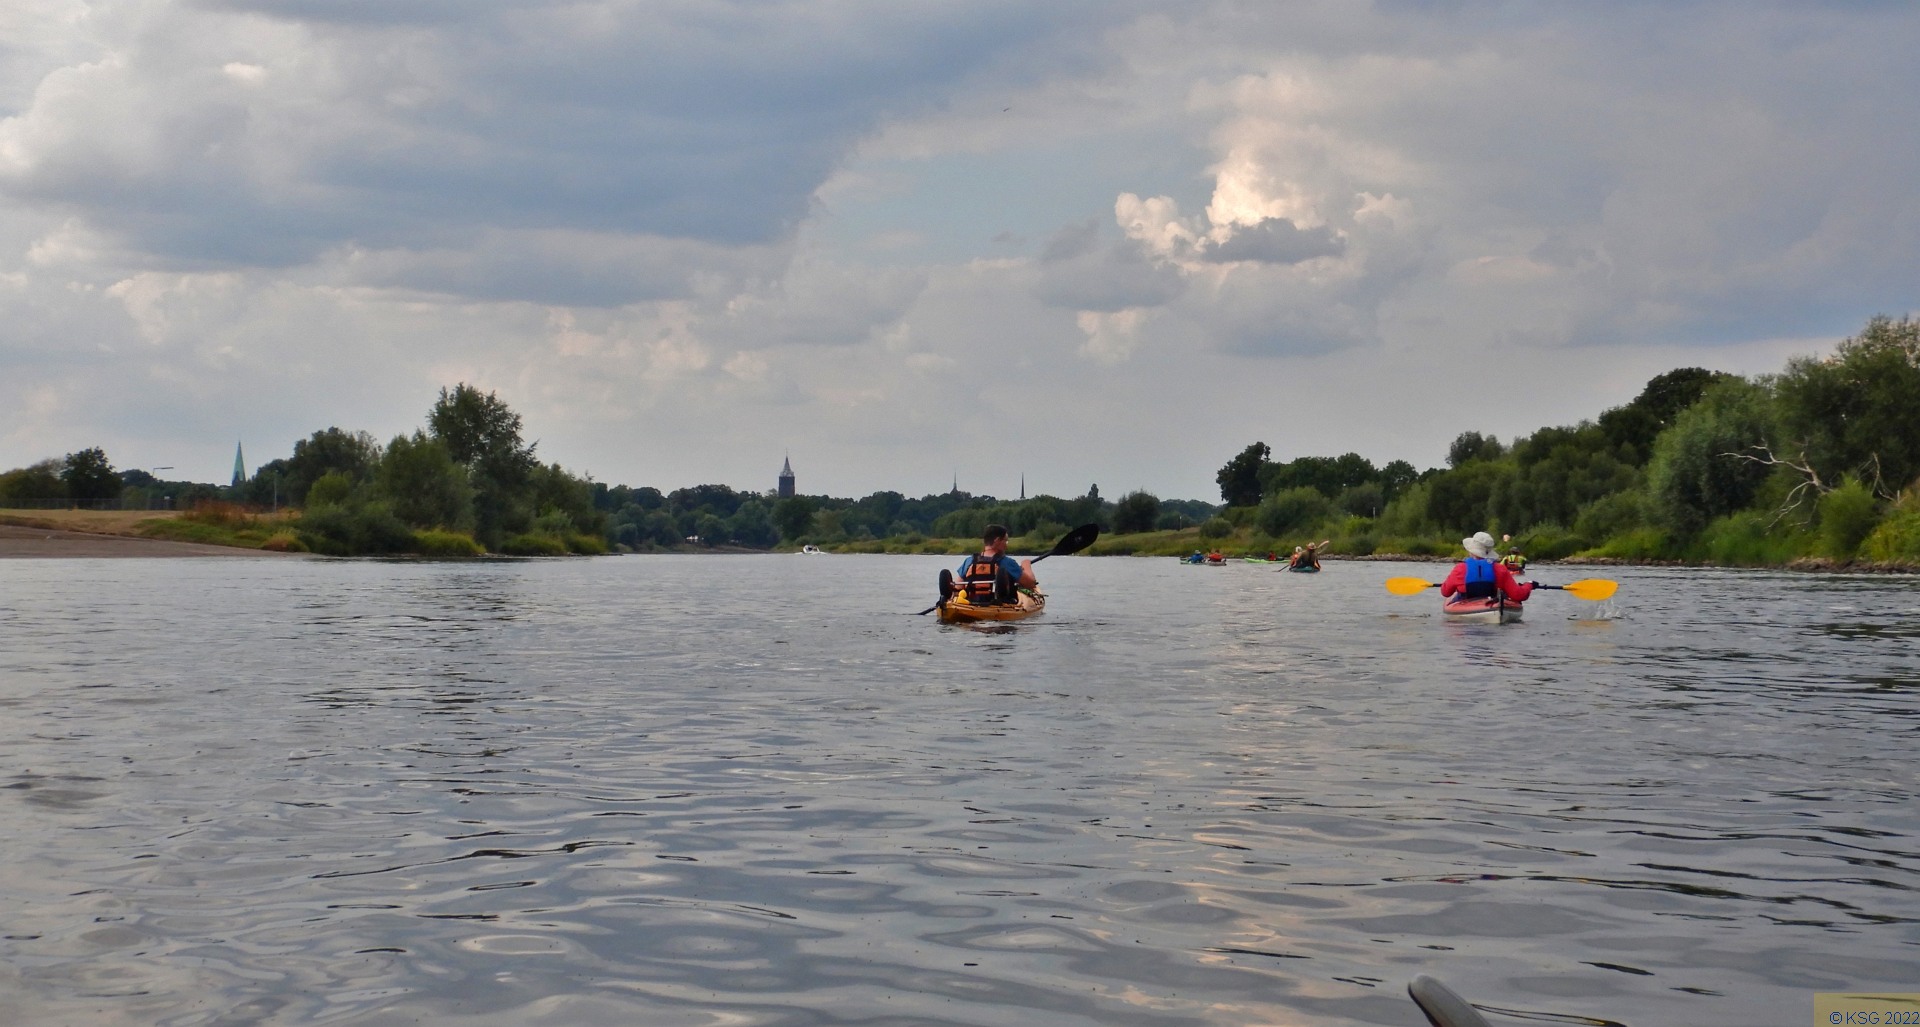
426, 488
483, 434
354, 454
1136, 511
89, 477
1702, 467
40, 481
1239, 480
1469, 446
1858, 412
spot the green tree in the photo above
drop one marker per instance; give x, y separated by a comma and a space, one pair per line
552, 488
1462, 499
1395, 477
1556, 472
267, 487
1848, 515
333, 488
40, 481
1239, 480
483, 435
353, 454
793, 516
423, 485
1365, 500
1858, 412
1702, 467
1469, 446
89, 477
1136, 511
1331, 475
1297, 509
752, 525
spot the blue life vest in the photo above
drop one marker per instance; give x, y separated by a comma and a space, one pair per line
1480, 582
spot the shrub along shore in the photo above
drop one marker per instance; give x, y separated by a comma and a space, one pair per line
279, 533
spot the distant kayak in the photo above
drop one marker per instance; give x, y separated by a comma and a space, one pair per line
1314, 569
1481, 611
958, 611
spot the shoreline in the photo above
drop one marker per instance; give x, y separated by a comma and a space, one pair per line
44, 541
24, 542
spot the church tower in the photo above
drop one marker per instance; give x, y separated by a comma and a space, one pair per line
786, 479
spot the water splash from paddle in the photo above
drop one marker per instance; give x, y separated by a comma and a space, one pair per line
1598, 612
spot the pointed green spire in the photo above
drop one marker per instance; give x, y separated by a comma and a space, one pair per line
239, 466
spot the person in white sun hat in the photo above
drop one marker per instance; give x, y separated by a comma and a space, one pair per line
1481, 575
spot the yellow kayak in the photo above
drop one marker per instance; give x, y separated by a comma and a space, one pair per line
958, 610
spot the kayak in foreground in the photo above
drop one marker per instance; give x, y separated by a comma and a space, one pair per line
959, 610
1481, 611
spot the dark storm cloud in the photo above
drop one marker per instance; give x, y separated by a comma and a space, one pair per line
1274, 241
380, 125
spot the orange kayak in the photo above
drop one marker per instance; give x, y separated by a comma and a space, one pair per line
958, 610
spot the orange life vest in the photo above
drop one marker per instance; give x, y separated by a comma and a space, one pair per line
985, 581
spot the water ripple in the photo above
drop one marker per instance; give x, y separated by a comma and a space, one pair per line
635, 791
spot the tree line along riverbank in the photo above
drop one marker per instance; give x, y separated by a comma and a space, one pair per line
1814, 466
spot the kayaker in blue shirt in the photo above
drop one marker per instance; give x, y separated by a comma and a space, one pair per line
980, 585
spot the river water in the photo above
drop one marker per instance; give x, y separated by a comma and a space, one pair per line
758, 790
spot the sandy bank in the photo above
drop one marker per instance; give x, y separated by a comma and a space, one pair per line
19, 542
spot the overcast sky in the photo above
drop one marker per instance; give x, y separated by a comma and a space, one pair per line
1097, 242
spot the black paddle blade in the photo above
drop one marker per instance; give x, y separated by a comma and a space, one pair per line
946, 592
1075, 540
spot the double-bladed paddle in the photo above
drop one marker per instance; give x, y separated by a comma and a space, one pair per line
1074, 541
1594, 589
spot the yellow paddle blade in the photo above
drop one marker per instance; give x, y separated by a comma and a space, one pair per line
1595, 589
1408, 586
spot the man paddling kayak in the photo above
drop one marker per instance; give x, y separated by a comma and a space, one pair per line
1482, 576
982, 574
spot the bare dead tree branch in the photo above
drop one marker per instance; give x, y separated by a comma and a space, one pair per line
1810, 486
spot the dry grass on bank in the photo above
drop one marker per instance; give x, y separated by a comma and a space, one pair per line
97, 522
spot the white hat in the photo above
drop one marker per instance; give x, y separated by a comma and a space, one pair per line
1480, 545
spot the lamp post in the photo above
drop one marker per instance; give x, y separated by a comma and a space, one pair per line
156, 477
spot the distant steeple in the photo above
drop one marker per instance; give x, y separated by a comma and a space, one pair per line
1023, 485
239, 466
786, 479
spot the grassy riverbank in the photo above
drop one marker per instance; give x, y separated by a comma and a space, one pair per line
1743, 540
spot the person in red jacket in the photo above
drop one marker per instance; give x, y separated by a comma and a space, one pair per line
1481, 575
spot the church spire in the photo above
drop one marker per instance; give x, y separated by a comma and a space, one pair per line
239, 466
786, 478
